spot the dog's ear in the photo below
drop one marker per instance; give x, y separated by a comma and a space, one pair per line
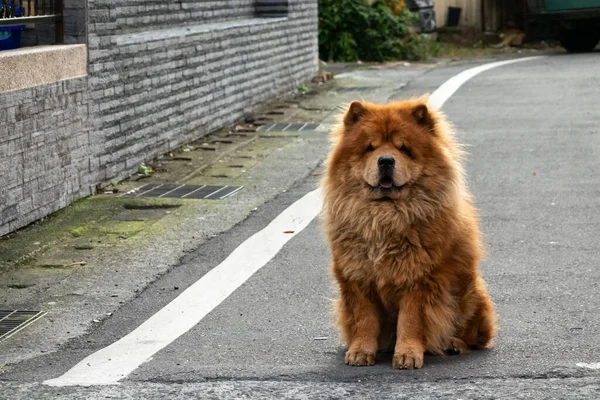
422, 116
355, 112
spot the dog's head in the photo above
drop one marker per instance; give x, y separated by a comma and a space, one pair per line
398, 151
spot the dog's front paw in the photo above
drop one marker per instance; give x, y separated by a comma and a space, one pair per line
359, 358
408, 359
457, 346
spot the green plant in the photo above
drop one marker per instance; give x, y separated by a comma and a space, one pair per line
421, 47
479, 44
351, 30
302, 88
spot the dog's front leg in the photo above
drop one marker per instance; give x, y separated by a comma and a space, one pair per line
409, 350
361, 325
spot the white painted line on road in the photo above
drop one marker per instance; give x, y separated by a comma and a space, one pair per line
113, 363
589, 366
448, 88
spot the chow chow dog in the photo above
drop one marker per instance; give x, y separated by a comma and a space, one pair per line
404, 236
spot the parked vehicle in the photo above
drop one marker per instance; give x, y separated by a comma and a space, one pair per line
576, 23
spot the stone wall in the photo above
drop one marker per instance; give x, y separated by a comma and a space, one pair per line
160, 74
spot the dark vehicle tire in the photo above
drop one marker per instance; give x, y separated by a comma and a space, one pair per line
579, 41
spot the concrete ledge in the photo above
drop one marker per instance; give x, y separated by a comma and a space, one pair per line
33, 66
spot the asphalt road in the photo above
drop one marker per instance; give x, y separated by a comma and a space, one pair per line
533, 137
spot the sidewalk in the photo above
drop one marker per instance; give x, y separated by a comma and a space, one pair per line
80, 264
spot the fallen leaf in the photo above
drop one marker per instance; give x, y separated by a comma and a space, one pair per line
289, 231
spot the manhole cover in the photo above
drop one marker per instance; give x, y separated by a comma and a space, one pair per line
285, 127
172, 191
355, 89
12, 321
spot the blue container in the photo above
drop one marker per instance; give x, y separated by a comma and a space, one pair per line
10, 37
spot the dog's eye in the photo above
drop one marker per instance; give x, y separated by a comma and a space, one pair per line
406, 151
370, 148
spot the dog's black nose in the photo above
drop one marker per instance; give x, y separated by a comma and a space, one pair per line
386, 161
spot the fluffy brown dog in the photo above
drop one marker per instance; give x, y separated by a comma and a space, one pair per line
404, 237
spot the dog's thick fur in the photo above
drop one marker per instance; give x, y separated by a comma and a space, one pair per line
405, 253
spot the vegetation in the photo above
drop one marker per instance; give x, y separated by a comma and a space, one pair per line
351, 30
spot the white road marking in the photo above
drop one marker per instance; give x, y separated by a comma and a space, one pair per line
589, 366
113, 363
448, 88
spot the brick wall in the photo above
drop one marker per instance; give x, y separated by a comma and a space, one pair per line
160, 74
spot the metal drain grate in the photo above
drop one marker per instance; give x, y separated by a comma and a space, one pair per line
285, 127
355, 89
12, 321
172, 191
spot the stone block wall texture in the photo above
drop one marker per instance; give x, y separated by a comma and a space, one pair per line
160, 74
